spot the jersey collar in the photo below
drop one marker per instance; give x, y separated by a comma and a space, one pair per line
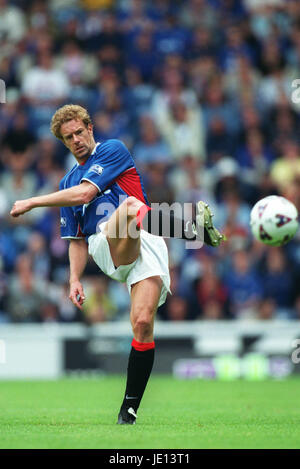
95, 147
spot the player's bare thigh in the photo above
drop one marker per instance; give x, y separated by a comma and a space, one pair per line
122, 236
144, 301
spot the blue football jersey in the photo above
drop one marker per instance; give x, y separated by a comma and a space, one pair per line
112, 170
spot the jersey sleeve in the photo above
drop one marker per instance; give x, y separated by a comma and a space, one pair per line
113, 160
69, 226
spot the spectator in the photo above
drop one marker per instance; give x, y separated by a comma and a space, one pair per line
111, 124
44, 84
251, 119
19, 140
98, 306
297, 308
212, 311
9, 111
212, 297
18, 180
226, 176
44, 87
143, 56
242, 81
109, 44
201, 71
218, 142
157, 187
198, 13
244, 287
255, 157
134, 17
104, 38
47, 162
183, 130
234, 212
266, 309
202, 44
177, 309
26, 294
277, 282
138, 95
287, 167
275, 89
216, 105
39, 17
12, 22
282, 126
60, 307
172, 37
191, 181
151, 147
271, 59
172, 90
79, 68
106, 91
234, 48
39, 256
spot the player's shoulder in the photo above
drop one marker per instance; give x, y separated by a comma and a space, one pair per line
113, 144
66, 176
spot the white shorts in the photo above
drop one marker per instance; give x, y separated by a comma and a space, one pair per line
153, 260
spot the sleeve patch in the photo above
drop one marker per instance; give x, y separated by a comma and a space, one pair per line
96, 168
63, 221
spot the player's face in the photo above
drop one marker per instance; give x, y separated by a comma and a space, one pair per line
78, 138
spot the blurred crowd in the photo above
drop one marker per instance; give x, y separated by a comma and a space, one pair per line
201, 93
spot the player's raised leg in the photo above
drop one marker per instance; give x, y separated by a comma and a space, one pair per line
122, 237
123, 227
144, 300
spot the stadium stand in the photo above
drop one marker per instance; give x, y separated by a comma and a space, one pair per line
200, 91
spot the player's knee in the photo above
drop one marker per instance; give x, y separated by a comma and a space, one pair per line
132, 206
142, 330
143, 321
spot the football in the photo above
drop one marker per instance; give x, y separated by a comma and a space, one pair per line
274, 220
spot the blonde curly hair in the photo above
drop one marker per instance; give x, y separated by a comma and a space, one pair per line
67, 113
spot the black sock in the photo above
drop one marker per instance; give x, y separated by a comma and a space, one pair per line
164, 223
139, 368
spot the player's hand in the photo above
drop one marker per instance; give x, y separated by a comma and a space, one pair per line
77, 294
20, 207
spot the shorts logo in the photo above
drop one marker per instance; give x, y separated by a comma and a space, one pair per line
96, 168
63, 222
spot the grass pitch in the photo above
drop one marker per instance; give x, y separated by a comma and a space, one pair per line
82, 413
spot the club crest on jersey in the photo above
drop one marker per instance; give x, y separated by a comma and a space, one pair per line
97, 168
63, 221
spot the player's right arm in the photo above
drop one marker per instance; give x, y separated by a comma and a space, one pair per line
78, 256
77, 195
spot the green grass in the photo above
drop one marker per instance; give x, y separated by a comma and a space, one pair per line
82, 413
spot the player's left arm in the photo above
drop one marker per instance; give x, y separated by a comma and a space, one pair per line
78, 256
76, 195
